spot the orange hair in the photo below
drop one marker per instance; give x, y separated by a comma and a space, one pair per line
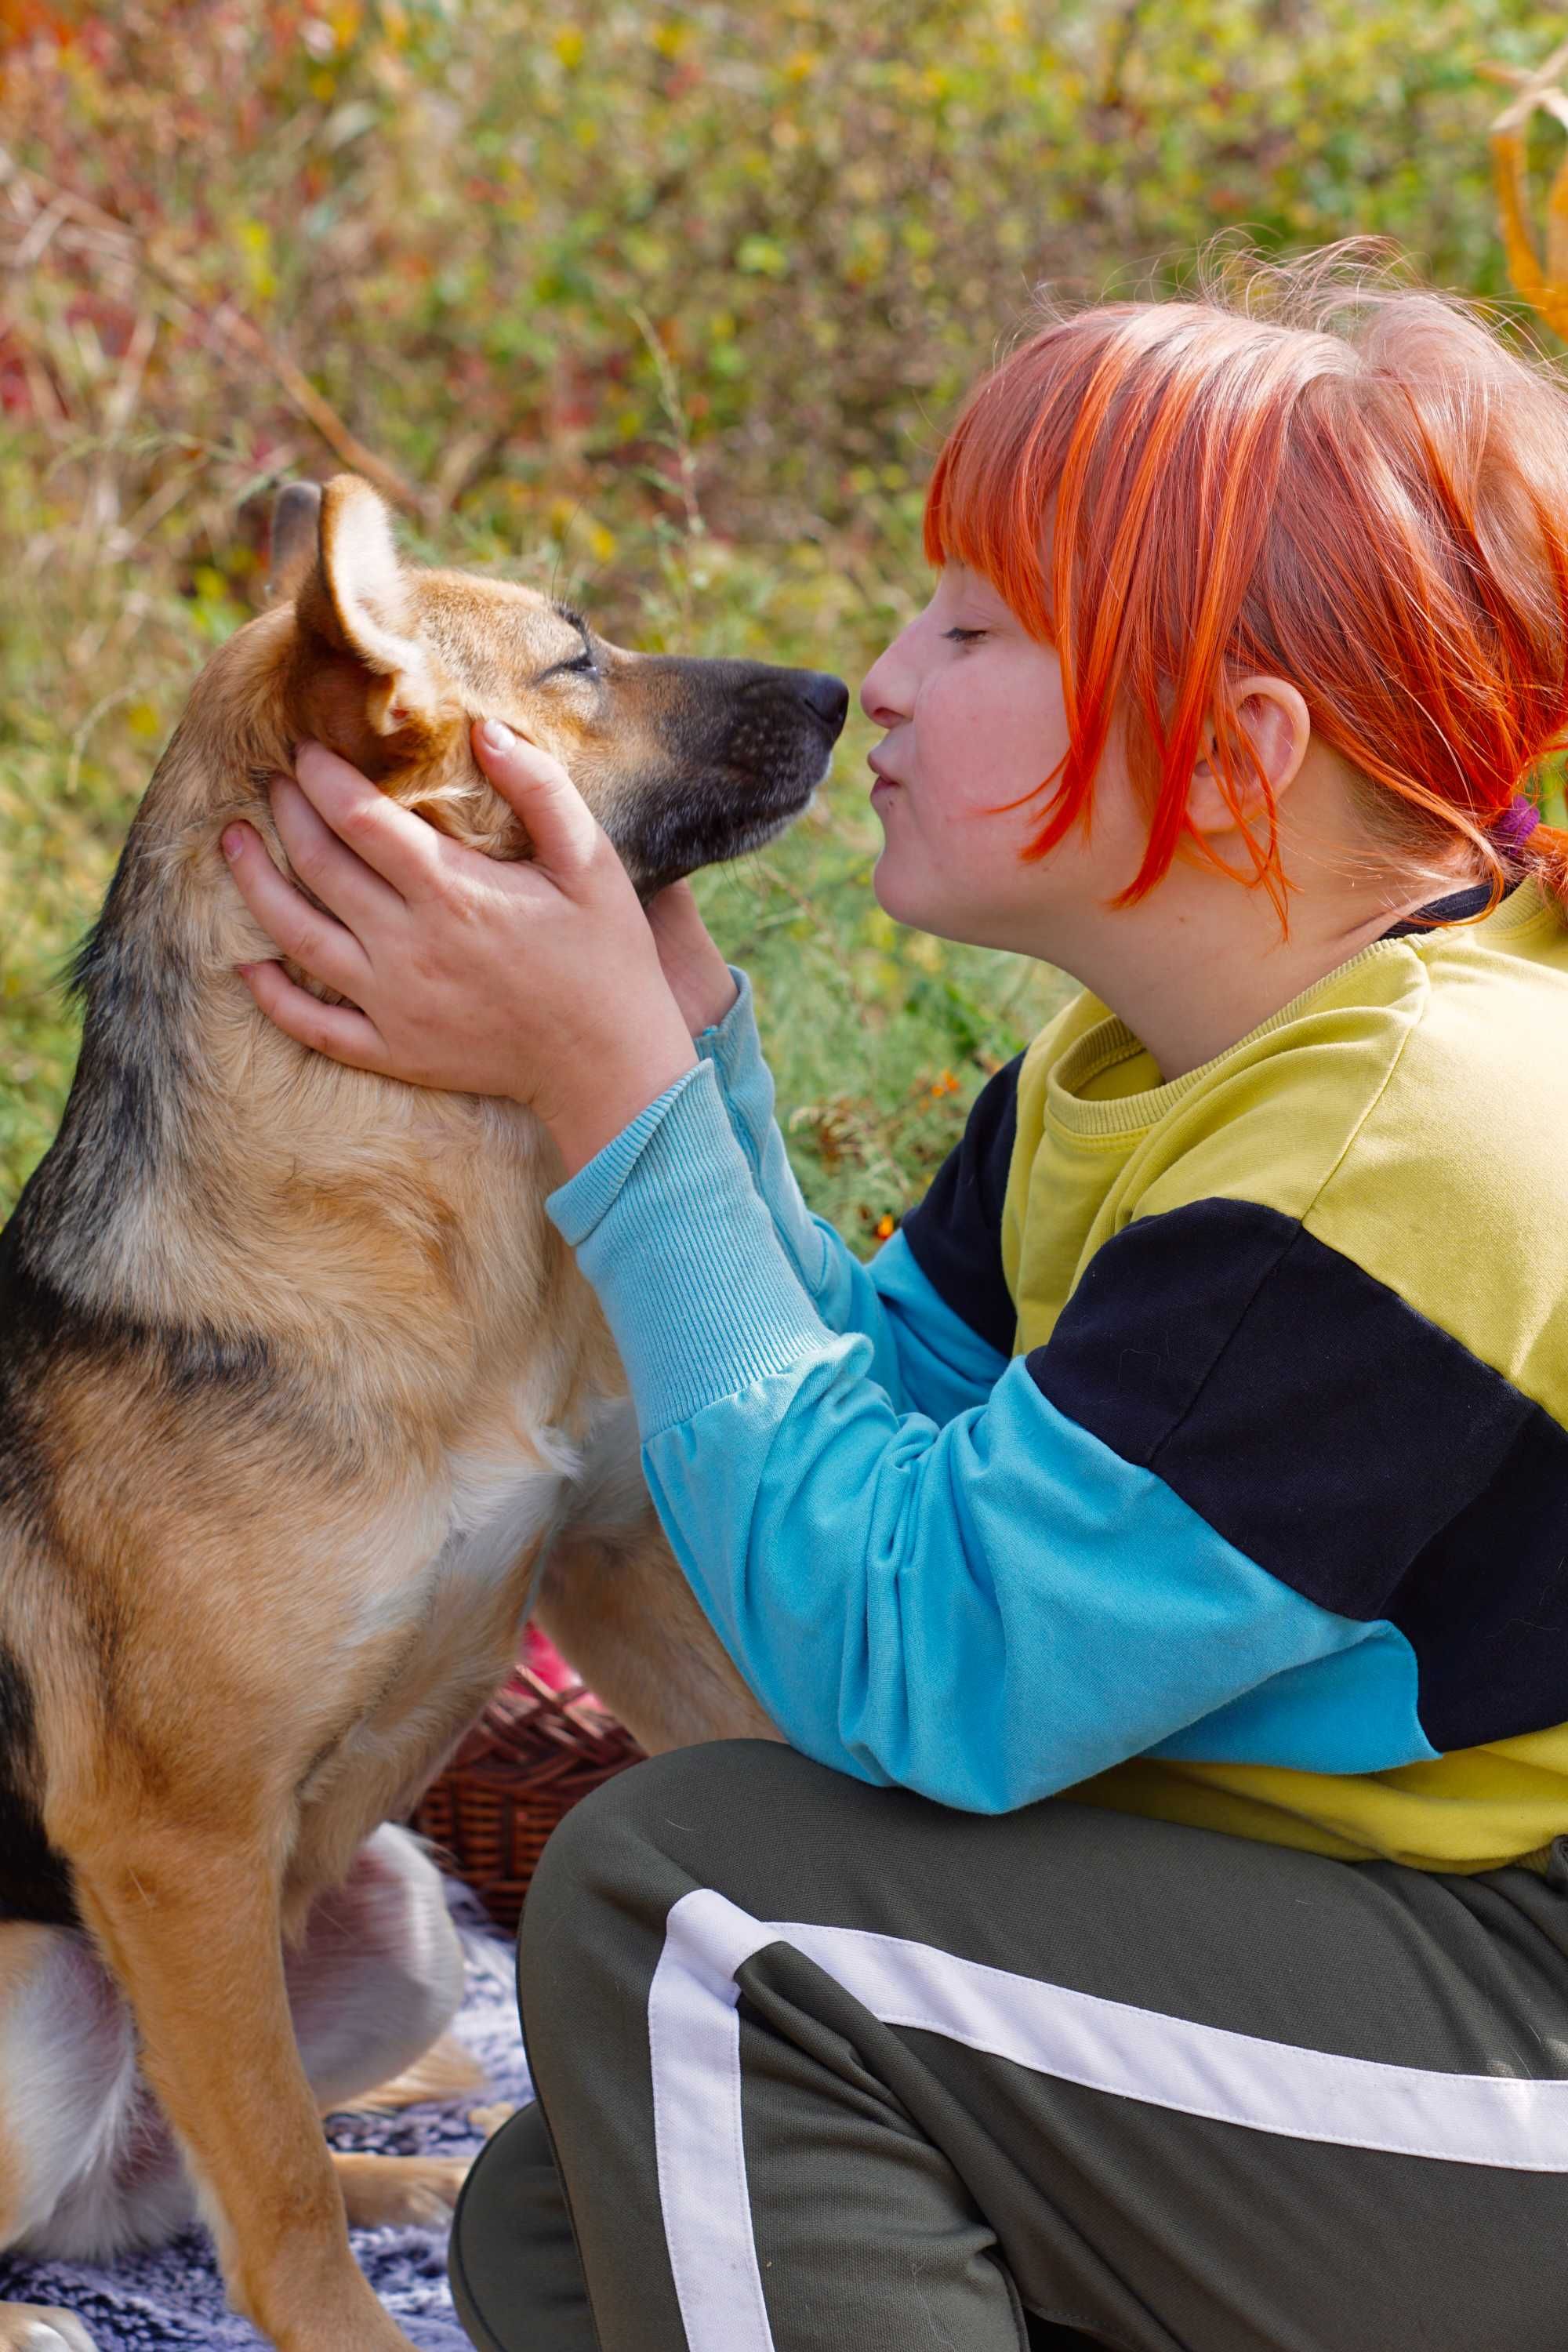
1325, 477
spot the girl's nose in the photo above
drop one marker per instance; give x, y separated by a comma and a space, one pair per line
887, 691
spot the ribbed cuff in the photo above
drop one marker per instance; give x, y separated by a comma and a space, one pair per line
670, 1229
733, 1045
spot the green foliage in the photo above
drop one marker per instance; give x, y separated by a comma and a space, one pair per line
667, 308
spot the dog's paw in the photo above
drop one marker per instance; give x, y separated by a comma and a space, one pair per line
39, 2327
417, 2191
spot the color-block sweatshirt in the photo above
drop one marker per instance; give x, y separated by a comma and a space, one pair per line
1198, 1448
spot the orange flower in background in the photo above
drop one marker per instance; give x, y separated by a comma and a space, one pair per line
31, 20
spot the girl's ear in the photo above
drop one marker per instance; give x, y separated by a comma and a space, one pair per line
1274, 728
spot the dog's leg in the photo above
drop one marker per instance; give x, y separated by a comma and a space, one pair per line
374, 1984
618, 1606
190, 1922
87, 2166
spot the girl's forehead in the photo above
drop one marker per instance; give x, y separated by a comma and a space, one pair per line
978, 594
961, 580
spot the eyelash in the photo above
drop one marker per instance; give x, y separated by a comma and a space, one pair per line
965, 636
584, 666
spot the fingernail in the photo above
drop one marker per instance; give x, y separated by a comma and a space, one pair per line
245, 969
232, 841
498, 735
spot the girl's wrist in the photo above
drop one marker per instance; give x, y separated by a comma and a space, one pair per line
720, 1001
590, 1115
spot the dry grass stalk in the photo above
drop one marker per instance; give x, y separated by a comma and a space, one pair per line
1543, 283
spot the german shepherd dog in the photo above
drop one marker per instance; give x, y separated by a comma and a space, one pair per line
300, 1394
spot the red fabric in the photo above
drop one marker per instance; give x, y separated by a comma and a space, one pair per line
541, 1657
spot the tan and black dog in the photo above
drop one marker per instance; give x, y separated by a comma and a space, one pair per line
296, 1381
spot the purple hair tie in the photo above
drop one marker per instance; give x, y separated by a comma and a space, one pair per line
1516, 824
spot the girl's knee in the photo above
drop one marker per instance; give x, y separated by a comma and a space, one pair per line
658, 1805
618, 1860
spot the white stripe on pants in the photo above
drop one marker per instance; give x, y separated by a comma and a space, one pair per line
1077, 2037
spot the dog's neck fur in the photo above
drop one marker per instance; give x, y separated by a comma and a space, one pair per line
396, 1237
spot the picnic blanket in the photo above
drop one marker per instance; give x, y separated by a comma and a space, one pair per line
174, 2297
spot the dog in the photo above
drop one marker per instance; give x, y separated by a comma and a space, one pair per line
301, 1398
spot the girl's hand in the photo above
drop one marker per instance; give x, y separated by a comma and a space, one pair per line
538, 981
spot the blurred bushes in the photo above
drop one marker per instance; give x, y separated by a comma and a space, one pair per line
669, 307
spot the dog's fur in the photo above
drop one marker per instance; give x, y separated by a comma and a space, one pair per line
296, 1379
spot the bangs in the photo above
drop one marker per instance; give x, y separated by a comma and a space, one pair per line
991, 498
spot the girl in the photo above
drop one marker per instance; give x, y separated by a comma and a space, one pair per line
1197, 1448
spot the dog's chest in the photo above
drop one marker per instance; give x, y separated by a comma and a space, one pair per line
486, 1525
501, 1502
450, 1581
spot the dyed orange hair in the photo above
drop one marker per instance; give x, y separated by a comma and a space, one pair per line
1308, 470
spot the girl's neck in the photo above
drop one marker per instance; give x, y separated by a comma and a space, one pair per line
1195, 968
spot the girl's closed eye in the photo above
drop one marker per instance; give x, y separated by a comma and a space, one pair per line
965, 636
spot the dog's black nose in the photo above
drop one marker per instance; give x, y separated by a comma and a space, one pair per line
826, 695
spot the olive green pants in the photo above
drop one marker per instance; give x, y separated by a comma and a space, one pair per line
822, 2066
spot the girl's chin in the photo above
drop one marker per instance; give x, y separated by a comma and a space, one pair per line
921, 909
900, 894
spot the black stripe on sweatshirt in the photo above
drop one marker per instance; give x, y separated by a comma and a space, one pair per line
955, 1233
1338, 1439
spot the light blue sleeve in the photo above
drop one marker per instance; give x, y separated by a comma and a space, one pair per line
924, 1355
986, 1611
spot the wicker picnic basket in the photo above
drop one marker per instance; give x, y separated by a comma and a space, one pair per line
541, 1744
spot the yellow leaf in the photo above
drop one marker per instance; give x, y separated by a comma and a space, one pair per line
142, 718
569, 45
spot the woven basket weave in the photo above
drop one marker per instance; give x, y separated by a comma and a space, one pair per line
536, 1750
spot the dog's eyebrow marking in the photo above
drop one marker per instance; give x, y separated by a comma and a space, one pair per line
587, 660
565, 612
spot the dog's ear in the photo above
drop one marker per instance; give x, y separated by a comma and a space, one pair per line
364, 684
356, 600
295, 537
